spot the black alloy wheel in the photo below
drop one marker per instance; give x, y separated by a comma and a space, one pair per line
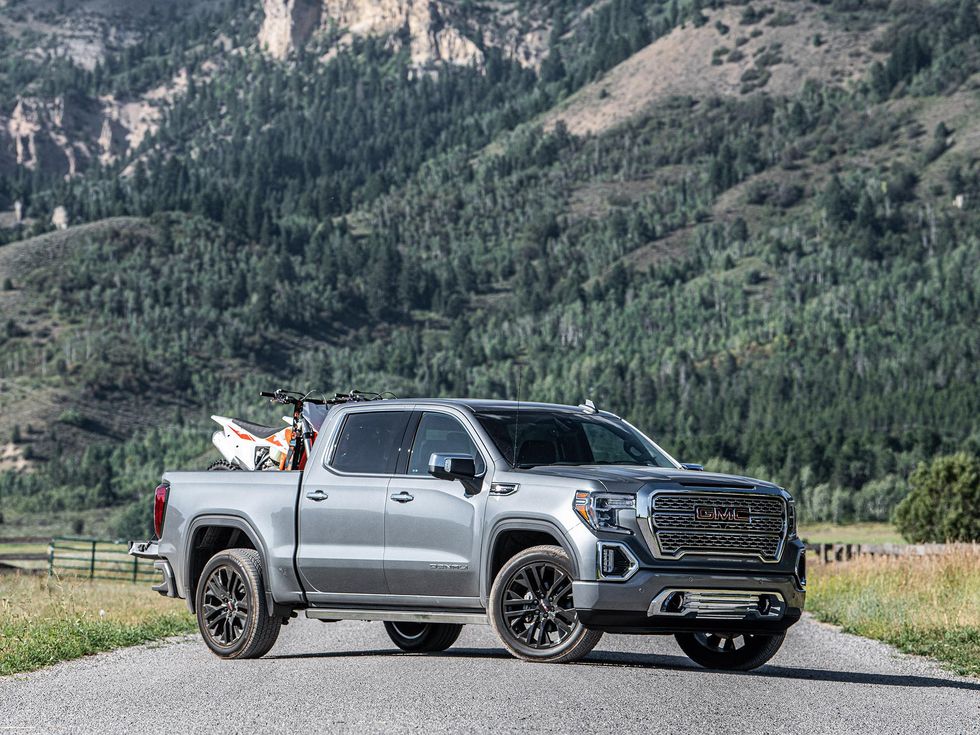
225, 606
532, 609
538, 606
230, 603
730, 651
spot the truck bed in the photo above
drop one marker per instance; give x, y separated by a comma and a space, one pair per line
265, 503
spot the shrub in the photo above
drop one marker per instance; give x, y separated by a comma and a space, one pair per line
944, 503
876, 501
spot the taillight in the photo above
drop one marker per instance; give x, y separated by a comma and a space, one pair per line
159, 506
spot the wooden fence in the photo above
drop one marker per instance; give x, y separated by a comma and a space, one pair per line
828, 553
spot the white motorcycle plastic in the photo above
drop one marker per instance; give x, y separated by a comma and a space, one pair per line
245, 445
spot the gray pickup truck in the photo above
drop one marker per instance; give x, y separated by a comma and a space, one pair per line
553, 524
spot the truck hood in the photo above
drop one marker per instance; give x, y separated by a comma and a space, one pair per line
629, 478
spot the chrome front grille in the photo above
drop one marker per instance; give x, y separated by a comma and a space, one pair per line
717, 524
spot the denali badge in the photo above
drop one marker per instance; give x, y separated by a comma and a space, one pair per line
729, 513
451, 567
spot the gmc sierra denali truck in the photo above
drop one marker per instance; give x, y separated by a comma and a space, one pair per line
553, 524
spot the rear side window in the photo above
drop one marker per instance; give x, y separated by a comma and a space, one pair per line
439, 433
369, 442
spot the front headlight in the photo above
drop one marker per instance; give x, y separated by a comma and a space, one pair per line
600, 511
791, 518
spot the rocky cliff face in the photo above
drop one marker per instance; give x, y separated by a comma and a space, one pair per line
64, 135
288, 25
435, 31
427, 24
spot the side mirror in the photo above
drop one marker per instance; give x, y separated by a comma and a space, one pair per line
452, 466
695, 467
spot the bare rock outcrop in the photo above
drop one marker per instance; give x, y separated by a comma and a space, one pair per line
435, 31
42, 133
426, 24
288, 25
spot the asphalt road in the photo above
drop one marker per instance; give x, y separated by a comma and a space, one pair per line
347, 677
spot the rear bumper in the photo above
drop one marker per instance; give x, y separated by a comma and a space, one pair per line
150, 550
630, 607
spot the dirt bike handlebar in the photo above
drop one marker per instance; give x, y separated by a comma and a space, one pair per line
291, 397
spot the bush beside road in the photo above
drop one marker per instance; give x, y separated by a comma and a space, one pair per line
44, 620
923, 605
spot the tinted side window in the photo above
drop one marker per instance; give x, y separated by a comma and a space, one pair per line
369, 442
438, 432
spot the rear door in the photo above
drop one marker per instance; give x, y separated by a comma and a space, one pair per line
432, 539
340, 549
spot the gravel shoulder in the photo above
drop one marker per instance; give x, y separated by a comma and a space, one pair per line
340, 677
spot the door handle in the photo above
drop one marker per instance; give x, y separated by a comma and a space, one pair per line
317, 495
403, 497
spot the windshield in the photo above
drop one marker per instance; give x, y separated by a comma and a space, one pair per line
565, 438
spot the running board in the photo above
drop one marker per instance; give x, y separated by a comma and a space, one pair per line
398, 616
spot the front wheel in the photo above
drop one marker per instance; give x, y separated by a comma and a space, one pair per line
532, 611
730, 651
423, 637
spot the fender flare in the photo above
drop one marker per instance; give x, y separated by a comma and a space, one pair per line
226, 521
522, 523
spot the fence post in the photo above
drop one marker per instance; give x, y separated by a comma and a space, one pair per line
50, 557
135, 568
91, 573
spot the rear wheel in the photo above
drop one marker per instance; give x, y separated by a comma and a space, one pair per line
423, 637
230, 602
532, 611
220, 465
731, 651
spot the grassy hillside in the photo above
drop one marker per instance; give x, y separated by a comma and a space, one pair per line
778, 276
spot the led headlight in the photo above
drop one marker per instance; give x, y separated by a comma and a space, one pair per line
791, 518
600, 511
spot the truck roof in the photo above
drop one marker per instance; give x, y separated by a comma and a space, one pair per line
483, 404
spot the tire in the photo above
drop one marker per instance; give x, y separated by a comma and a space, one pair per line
549, 630
730, 652
231, 610
423, 637
220, 465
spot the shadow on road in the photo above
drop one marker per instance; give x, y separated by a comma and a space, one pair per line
653, 661
613, 659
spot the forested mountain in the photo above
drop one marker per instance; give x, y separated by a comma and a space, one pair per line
753, 229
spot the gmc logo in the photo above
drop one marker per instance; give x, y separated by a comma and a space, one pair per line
730, 513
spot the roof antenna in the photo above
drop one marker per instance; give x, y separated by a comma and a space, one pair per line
517, 421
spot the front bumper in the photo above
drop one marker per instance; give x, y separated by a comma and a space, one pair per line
638, 605
150, 550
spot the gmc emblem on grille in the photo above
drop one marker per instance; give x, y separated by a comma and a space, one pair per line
730, 513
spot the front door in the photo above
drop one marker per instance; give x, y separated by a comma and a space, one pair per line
432, 526
340, 549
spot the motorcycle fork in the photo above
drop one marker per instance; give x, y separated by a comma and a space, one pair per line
298, 435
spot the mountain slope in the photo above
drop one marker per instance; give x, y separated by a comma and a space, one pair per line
774, 278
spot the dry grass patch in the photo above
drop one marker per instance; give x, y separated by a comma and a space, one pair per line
45, 620
783, 57
923, 605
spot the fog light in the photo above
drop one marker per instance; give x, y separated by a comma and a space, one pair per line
614, 561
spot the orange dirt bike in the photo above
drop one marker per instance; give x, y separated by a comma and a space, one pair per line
245, 445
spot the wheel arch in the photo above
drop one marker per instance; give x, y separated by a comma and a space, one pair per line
511, 536
206, 536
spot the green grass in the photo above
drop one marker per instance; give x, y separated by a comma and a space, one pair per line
851, 533
45, 620
928, 606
